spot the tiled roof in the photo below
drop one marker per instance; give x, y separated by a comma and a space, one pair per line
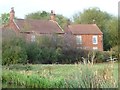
84, 29
39, 26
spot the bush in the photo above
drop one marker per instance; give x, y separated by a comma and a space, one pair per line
13, 49
42, 54
104, 55
32, 52
47, 50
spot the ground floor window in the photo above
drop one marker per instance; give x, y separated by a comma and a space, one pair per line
32, 38
79, 39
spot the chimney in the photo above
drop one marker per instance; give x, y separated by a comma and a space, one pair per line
68, 22
12, 14
52, 15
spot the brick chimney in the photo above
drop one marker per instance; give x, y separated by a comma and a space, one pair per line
52, 15
68, 22
12, 14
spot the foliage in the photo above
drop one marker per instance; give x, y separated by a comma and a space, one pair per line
5, 18
46, 16
42, 55
102, 56
88, 77
61, 76
52, 49
105, 21
29, 81
62, 20
13, 48
113, 31
47, 49
38, 15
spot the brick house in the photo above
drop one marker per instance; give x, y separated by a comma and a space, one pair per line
30, 28
85, 36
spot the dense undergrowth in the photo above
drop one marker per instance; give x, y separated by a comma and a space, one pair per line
61, 76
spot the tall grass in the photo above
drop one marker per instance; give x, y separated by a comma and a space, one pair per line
90, 77
61, 76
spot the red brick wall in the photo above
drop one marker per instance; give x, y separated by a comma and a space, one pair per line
88, 43
86, 39
13, 27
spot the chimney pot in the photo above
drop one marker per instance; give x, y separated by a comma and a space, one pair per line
51, 11
12, 14
52, 16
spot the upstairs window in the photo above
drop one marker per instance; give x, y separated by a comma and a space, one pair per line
32, 38
79, 39
95, 39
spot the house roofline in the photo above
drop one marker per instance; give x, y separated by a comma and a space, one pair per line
16, 25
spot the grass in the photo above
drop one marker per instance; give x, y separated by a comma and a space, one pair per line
61, 76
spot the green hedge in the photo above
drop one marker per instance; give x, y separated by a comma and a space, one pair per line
45, 50
13, 48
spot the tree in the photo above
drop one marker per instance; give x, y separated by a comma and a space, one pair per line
113, 31
95, 15
38, 15
4, 18
46, 16
76, 18
61, 20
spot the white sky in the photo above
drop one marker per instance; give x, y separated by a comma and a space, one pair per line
65, 7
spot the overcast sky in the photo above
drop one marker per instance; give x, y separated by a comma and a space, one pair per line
65, 7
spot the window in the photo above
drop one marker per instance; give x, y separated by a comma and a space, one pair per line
32, 38
79, 39
95, 48
95, 39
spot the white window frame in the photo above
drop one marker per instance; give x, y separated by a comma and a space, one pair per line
78, 39
95, 39
33, 38
95, 48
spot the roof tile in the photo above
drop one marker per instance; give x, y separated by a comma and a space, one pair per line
85, 29
39, 26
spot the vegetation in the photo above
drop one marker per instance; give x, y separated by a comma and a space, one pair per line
4, 18
13, 48
61, 76
107, 23
19, 56
62, 20
46, 50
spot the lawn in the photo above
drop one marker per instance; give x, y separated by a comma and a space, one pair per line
61, 76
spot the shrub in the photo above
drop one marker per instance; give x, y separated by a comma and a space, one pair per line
32, 50
102, 56
38, 54
13, 49
46, 49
